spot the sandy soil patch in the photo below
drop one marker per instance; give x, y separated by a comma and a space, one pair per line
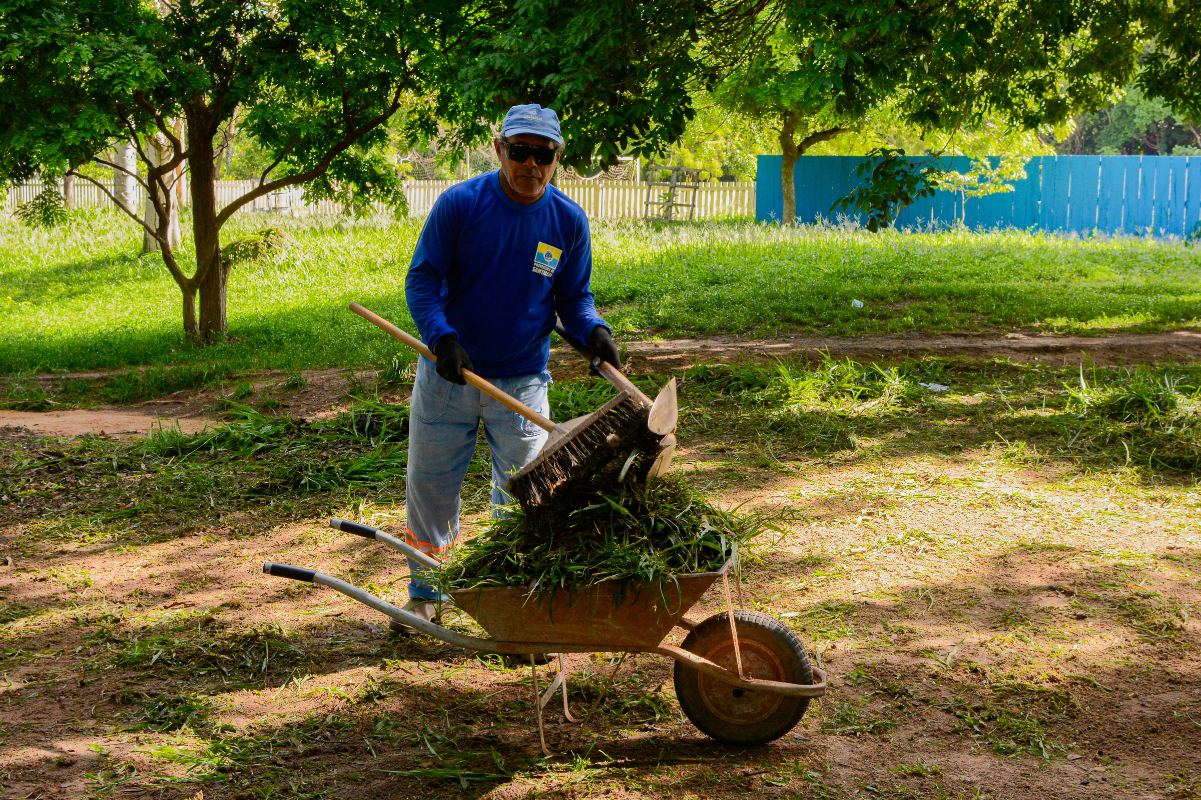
1023, 348
101, 421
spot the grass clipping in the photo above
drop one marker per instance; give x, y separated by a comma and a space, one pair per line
614, 527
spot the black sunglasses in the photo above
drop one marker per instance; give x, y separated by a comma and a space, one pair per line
543, 156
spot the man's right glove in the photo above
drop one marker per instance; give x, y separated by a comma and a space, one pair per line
452, 359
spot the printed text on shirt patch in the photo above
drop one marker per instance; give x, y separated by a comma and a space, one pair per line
546, 260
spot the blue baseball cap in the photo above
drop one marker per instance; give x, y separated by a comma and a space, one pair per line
534, 119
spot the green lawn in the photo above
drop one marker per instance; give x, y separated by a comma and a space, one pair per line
78, 297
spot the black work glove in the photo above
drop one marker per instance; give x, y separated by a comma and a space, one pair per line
603, 348
452, 359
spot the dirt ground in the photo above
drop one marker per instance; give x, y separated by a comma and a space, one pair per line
1017, 347
996, 624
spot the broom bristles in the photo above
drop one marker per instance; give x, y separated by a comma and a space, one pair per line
583, 450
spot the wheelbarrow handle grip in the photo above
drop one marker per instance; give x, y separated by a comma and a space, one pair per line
345, 525
609, 372
368, 532
284, 571
506, 400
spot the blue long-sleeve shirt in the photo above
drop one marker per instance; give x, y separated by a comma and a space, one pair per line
495, 273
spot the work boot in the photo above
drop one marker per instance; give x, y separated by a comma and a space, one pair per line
422, 608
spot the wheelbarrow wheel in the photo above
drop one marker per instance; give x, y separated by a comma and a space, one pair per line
770, 651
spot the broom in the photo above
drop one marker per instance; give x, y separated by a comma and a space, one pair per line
575, 449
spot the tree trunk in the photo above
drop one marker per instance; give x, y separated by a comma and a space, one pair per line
69, 191
190, 328
211, 274
791, 152
158, 151
1196, 133
124, 190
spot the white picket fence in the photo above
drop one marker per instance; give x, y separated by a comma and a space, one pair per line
599, 199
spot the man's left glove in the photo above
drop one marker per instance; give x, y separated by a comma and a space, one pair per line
603, 348
452, 359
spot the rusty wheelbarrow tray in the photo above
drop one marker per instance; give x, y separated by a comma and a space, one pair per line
741, 677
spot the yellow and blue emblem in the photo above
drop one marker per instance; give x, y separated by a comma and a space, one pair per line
546, 260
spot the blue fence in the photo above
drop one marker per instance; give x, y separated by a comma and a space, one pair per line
1156, 195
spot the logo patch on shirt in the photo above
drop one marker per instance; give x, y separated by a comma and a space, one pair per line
546, 260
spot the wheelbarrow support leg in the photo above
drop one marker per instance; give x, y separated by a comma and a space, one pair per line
560, 682
725, 582
538, 706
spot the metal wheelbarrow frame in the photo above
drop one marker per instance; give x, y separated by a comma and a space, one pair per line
726, 702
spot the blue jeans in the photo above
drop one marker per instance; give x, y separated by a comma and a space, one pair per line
444, 421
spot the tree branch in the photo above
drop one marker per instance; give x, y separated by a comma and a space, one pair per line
287, 148
159, 120
345, 142
133, 175
151, 176
822, 136
172, 267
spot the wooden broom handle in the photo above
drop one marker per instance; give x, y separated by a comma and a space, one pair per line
609, 372
475, 380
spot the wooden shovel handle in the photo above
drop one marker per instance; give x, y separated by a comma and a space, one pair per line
475, 380
609, 372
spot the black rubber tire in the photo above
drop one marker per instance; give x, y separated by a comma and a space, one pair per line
770, 651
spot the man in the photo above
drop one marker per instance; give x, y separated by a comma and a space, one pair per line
500, 255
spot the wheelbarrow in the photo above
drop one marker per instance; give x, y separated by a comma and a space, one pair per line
741, 677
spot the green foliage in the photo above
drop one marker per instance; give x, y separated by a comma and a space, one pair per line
1170, 70
44, 211
888, 182
244, 656
723, 141
851, 720
259, 244
313, 83
1142, 396
1135, 124
1006, 731
374, 171
25, 393
1154, 412
615, 528
953, 66
983, 179
620, 75
164, 712
848, 381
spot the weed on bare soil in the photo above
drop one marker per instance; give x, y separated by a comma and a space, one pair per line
998, 564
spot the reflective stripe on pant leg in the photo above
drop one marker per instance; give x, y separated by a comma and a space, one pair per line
443, 424
513, 440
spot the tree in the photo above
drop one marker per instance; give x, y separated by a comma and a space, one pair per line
942, 66
314, 83
803, 113
1171, 71
722, 141
124, 185
1134, 125
621, 75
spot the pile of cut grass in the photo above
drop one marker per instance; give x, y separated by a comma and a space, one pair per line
614, 528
